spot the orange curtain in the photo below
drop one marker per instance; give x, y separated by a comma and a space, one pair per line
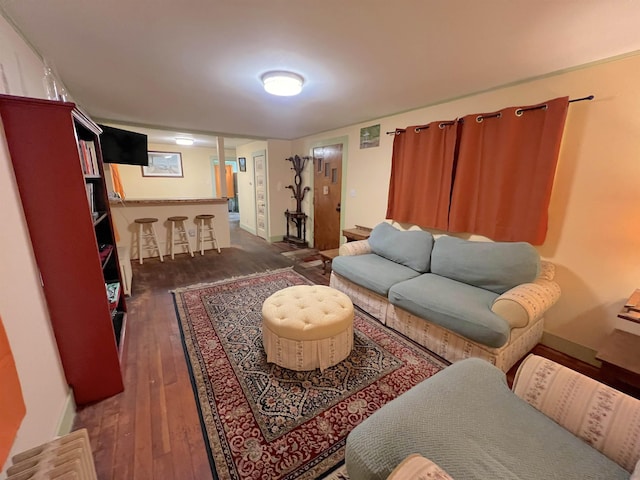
117, 182
12, 408
421, 174
505, 170
228, 179
119, 189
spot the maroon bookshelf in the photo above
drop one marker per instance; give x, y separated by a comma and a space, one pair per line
59, 197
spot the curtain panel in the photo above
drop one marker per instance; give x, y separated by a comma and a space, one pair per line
12, 408
422, 166
505, 169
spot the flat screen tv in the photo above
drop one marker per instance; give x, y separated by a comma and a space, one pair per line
122, 146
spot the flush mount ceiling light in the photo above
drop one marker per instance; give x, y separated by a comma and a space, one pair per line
283, 84
184, 141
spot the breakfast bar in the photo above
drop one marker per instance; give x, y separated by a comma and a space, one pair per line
126, 211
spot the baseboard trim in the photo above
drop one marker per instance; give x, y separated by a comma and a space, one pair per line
249, 229
65, 423
575, 350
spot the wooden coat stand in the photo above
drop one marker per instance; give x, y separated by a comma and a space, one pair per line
298, 218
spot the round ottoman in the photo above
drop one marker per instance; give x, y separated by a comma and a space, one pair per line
307, 327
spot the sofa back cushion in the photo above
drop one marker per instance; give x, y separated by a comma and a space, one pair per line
494, 266
411, 248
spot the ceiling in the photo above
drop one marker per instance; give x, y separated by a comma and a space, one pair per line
194, 66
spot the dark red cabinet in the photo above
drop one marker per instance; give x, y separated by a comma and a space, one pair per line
43, 138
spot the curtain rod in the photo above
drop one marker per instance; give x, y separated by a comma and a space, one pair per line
479, 118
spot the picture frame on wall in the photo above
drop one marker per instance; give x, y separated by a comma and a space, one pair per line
370, 136
242, 164
163, 164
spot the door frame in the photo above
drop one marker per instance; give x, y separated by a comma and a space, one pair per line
267, 227
344, 140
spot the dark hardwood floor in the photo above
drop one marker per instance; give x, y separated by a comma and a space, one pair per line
152, 429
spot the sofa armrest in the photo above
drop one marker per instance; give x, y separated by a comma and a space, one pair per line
415, 467
359, 247
605, 418
527, 302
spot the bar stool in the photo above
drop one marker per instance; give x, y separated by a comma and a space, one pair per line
205, 225
177, 226
147, 231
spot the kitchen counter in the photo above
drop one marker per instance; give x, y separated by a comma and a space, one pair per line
173, 201
124, 212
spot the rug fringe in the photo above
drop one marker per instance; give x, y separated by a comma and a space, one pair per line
230, 279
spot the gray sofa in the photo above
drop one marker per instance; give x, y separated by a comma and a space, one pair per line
553, 424
456, 297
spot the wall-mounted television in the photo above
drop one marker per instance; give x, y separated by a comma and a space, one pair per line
122, 146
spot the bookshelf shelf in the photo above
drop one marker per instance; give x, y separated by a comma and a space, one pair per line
62, 161
101, 217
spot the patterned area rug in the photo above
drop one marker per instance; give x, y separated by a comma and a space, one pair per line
305, 257
263, 421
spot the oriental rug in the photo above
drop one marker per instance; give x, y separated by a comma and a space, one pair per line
305, 257
263, 421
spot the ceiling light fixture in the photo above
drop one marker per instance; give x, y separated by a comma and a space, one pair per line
283, 84
184, 141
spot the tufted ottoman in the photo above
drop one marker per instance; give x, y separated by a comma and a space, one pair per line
307, 327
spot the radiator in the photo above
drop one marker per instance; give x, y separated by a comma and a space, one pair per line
65, 458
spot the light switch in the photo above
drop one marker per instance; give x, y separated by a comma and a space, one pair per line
352, 192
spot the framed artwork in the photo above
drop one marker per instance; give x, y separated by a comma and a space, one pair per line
163, 164
242, 164
370, 136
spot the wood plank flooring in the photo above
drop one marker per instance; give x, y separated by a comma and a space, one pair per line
152, 429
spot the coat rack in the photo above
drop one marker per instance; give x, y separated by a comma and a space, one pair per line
298, 218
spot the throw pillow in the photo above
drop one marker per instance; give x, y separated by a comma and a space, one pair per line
494, 266
411, 248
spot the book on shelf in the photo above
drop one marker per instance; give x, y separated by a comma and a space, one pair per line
105, 251
88, 157
113, 294
90, 198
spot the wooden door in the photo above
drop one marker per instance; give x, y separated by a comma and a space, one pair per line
327, 196
260, 172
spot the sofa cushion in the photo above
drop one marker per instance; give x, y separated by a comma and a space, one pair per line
411, 248
372, 271
495, 266
456, 306
466, 420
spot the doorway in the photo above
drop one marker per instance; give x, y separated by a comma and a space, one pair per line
260, 178
327, 196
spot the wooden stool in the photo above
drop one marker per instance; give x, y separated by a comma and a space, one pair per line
177, 225
205, 225
149, 235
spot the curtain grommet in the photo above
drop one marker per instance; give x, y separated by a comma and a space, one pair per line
479, 118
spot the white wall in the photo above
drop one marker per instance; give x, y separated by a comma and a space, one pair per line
280, 198
592, 238
246, 187
197, 181
22, 304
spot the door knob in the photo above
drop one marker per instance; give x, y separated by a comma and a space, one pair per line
338, 208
